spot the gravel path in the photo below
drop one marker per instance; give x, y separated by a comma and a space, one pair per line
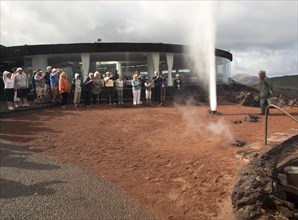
33, 186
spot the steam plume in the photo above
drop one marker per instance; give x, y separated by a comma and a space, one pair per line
202, 42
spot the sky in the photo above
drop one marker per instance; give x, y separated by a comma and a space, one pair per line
261, 35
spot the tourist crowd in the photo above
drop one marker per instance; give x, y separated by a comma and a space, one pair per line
53, 87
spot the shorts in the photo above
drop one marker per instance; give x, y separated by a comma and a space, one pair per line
9, 94
40, 91
22, 93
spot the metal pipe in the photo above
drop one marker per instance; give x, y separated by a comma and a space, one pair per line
266, 114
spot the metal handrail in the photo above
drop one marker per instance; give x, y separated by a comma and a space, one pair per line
266, 113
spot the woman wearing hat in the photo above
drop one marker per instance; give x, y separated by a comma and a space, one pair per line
9, 89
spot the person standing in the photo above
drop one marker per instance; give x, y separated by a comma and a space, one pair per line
148, 90
63, 89
177, 83
9, 89
40, 86
15, 99
163, 87
33, 86
136, 90
157, 84
76, 88
109, 85
48, 95
54, 78
119, 89
96, 88
88, 89
141, 79
22, 85
265, 87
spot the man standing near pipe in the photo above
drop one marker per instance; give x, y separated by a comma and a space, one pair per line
265, 90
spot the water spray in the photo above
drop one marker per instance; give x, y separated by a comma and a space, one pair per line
203, 49
212, 86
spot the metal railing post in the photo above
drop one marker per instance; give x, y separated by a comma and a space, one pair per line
266, 114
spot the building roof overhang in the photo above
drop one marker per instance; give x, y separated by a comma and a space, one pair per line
18, 52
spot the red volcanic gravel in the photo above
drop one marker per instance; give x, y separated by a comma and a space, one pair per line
178, 161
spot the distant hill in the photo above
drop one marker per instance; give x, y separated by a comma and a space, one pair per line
246, 79
284, 85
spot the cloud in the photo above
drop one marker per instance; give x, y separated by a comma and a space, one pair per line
266, 24
275, 62
258, 33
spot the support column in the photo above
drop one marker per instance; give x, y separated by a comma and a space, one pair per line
150, 66
155, 59
85, 57
119, 68
170, 62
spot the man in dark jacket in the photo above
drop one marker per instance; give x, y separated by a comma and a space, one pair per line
157, 86
48, 95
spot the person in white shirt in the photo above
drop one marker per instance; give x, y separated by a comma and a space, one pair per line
9, 89
22, 85
16, 100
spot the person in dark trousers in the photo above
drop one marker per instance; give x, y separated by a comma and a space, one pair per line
87, 89
109, 86
48, 95
63, 89
33, 86
157, 86
177, 84
163, 88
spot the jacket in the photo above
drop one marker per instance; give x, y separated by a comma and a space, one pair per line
63, 85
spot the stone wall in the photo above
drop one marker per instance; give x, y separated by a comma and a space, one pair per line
258, 194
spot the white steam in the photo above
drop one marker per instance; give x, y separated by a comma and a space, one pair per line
202, 41
198, 122
202, 32
220, 128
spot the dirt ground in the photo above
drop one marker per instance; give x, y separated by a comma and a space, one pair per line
177, 161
